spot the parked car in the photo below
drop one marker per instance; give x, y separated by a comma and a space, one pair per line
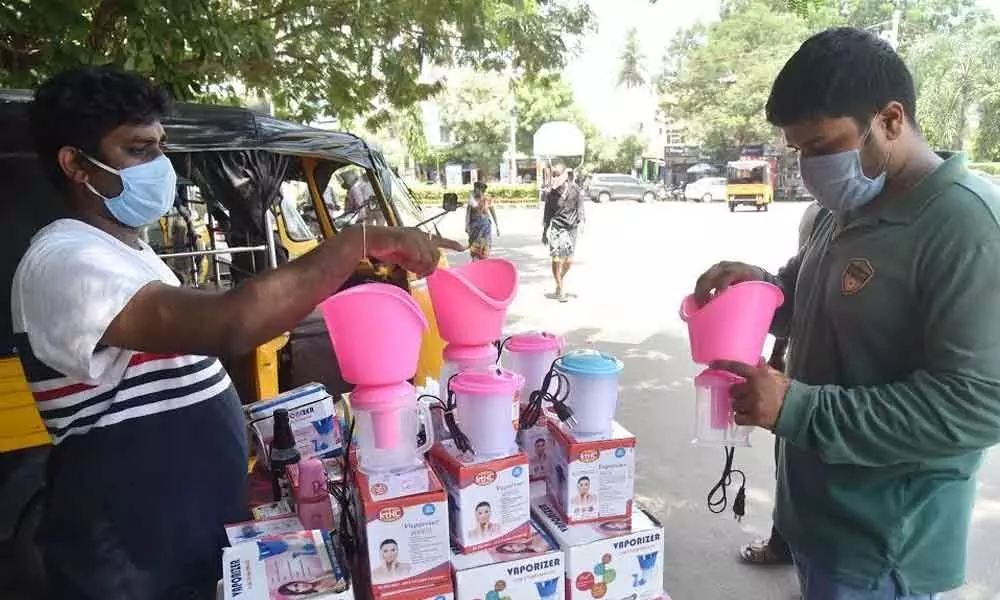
706, 189
605, 187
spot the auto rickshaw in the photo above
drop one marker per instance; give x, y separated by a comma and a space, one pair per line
236, 160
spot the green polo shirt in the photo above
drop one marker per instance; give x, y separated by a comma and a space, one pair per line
894, 318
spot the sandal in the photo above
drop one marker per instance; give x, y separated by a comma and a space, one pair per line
763, 552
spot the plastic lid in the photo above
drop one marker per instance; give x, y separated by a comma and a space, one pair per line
487, 382
716, 378
534, 341
457, 353
383, 397
589, 362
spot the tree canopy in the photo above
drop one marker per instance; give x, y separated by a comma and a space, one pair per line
338, 58
716, 77
631, 73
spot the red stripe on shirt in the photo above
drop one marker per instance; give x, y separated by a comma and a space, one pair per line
62, 392
145, 357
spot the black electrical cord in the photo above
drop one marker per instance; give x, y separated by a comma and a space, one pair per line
500, 345
717, 497
532, 411
448, 407
347, 531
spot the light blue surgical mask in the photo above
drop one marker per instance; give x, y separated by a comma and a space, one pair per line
838, 182
148, 191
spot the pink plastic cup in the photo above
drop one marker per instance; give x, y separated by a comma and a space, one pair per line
734, 324
470, 302
376, 330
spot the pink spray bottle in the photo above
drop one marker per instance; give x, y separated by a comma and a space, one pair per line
313, 502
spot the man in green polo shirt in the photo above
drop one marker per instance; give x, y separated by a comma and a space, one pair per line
893, 383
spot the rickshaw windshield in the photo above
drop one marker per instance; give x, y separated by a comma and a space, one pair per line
296, 226
746, 173
410, 213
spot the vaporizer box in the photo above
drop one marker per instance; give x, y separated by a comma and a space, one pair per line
611, 559
312, 415
406, 538
285, 566
536, 442
533, 569
489, 500
592, 478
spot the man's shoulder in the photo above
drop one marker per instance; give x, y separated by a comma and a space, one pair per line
967, 211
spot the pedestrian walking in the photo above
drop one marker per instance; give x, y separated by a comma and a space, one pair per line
892, 392
478, 224
563, 216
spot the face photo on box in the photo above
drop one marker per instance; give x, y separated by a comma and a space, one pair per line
484, 525
311, 589
532, 545
387, 562
540, 450
584, 500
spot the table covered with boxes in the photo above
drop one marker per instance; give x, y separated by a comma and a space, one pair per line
506, 479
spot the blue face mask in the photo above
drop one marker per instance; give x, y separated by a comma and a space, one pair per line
838, 182
148, 191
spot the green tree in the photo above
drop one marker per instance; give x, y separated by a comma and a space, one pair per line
339, 58
475, 112
631, 73
718, 76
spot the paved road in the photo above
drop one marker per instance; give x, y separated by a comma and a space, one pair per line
635, 263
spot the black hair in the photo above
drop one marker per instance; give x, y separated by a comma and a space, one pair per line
582, 479
287, 591
78, 107
539, 440
482, 504
479, 185
388, 541
841, 72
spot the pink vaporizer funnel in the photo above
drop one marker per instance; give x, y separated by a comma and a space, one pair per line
733, 325
470, 302
376, 331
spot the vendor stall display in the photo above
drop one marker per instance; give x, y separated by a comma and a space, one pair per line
488, 499
612, 559
436, 490
592, 478
533, 569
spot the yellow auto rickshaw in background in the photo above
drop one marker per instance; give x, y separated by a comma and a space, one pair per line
230, 221
750, 182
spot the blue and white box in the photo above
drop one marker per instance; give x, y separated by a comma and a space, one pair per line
313, 416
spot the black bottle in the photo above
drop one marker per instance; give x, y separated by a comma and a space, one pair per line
282, 454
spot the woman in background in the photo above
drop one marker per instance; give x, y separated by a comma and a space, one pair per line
477, 222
